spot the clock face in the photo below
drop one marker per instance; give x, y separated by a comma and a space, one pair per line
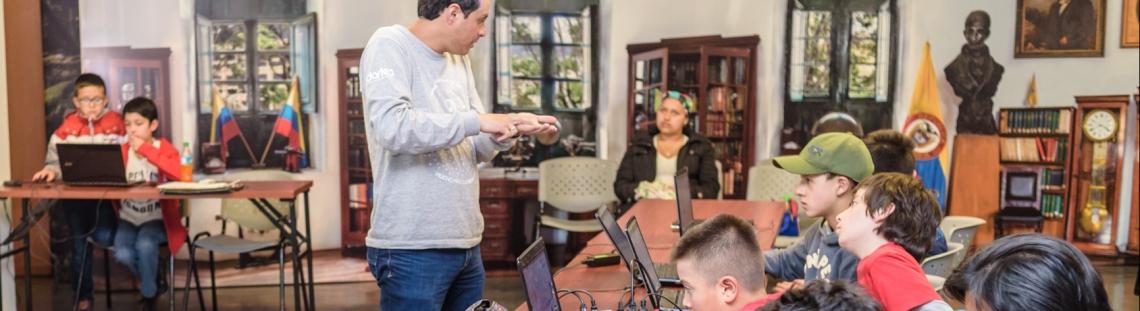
1100, 125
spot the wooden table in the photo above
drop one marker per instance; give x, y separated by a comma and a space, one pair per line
255, 191
607, 284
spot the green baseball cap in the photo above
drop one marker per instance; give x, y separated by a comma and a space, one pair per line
836, 153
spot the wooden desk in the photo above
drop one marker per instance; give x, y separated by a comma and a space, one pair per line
256, 191
655, 216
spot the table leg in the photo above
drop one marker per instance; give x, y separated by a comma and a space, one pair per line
308, 231
296, 259
27, 265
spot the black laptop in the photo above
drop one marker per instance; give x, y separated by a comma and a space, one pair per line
541, 295
664, 299
666, 272
92, 165
685, 204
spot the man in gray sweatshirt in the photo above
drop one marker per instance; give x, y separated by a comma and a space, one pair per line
426, 132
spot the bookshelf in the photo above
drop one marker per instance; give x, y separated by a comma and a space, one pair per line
355, 167
1040, 139
719, 73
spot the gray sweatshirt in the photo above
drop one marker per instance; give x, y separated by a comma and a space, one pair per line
817, 256
422, 114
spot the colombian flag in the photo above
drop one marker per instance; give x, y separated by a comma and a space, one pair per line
225, 127
289, 122
924, 125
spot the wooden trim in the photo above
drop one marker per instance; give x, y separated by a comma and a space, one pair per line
750, 42
26, 125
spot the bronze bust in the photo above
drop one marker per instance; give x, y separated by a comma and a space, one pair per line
974, 76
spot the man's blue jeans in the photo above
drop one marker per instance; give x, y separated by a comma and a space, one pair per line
87, 218
430, 279
137, 248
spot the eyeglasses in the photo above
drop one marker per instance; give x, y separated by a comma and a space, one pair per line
90, 101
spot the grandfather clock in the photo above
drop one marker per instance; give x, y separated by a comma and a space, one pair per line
1095, 176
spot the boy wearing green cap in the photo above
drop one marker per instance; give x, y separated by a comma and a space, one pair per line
830, 166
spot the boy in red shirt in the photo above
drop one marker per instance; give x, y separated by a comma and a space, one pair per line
721, 266
890, 226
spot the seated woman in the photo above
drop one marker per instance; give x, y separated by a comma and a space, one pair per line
659, 152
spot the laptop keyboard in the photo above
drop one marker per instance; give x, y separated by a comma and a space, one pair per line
669, 297
665, 270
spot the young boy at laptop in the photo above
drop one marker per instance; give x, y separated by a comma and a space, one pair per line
146, 223
90, 123
721, 266
830, 166
890, 226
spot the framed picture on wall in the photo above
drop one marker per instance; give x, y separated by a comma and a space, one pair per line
1130, 25
1060, 28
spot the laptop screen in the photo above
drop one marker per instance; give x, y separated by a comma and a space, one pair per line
644, 261
621, 242
535, 271
684, 201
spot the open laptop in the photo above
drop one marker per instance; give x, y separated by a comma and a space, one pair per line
92, 165
534, 267
685, 204
666, 299
666, 272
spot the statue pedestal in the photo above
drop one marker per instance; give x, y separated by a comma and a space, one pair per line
975, 185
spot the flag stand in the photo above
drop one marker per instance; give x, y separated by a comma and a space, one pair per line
268, 144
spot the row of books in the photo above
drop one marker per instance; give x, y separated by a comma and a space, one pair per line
1034, 149
722, 126
719, 71
1035, 121
724, 99
682, 73
352, 83
1052, 179
360, 195
1052, 206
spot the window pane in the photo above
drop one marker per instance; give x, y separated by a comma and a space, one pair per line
273, 67
235, 95
818, 50
568, 29
273, 36
229, 67
272, 96
818, 24
526, 61
862, 81
527, 93
810, 72
882, 83
568, 62
503, 58
229, 37
526, 29
863, 51
568, 95
818, 81
864, 24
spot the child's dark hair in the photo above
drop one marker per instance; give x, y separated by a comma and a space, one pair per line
89, 79
724, 245
820, 294
891, 151
1029, 271
142, 106
915, 218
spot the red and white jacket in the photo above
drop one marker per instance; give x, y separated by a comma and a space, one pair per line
165, 157
106, 128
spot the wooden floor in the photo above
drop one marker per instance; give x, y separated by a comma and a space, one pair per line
364, 295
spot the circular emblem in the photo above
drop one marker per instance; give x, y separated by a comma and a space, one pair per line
928, 134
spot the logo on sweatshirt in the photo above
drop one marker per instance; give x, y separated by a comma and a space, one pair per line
382, 73
820, 262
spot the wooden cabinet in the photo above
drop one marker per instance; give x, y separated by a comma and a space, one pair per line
1095, 179
502, 202
719, 73
1039, 139
355, 168
1134, 235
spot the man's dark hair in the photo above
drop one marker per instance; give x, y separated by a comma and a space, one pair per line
891, 151
142, 106
1029, 271
430, 9
724, 245
916, 215
839, 295
89, 79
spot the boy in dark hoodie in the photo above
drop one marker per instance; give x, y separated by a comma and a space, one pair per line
91, 123
830, 165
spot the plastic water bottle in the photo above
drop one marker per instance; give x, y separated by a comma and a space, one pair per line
187, 163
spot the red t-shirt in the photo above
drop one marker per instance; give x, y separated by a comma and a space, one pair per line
895, 279
760, 303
